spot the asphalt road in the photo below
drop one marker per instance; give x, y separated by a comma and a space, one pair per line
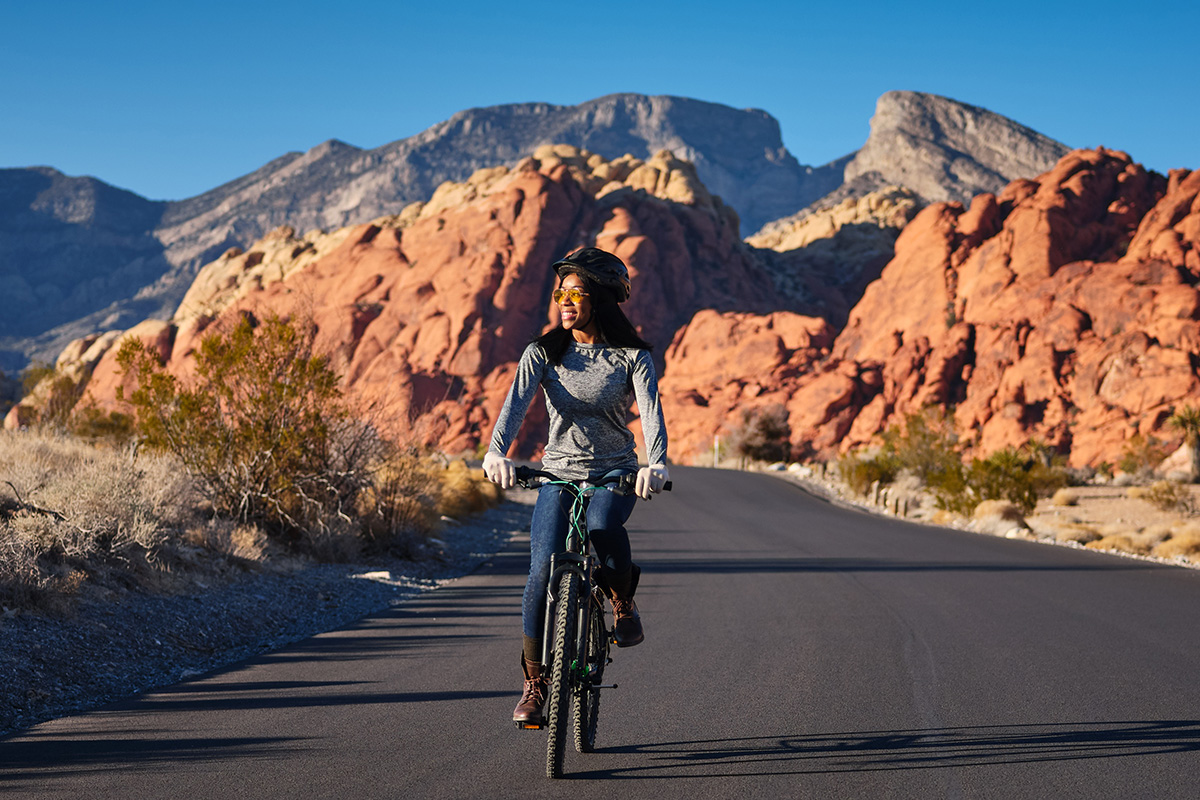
794, 649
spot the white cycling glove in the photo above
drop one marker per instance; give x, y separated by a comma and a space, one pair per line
651, 479
500, 470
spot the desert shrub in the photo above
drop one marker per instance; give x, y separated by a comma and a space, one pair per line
263, 426
1122, 542
1003, 475
763, 435
925, 445
34, 374
859, 473
61, 396
1141, 454
71, 513
95, 425
399, 506
1167, 496
465, 491
1075, 532
1184, 541
244, 542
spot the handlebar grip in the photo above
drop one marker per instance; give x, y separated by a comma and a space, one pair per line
667, 486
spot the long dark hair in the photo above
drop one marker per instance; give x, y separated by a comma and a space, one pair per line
614, 327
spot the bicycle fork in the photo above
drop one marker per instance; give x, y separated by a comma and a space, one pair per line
581, 565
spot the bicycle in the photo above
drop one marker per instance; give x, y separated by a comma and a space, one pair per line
575, 642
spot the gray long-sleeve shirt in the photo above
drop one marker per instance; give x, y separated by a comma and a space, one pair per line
587, 398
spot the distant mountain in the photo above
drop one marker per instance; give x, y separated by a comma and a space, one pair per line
69, 246
79, 256
946, 150
737, 153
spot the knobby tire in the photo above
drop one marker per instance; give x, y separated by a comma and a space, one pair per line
587, 698
566, 621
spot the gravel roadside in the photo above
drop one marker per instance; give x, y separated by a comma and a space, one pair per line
106, 651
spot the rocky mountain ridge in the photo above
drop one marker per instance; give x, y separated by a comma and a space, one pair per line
946, 150
738, 155
1066, 307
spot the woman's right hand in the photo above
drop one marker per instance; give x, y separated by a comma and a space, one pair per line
500, 470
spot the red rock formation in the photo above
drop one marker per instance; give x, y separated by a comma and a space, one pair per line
1065, 309
720, 364
426, 313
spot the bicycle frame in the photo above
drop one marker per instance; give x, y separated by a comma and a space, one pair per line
577, 557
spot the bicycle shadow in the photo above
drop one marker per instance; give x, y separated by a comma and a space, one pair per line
931, 748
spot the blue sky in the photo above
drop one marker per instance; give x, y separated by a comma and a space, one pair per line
171, 99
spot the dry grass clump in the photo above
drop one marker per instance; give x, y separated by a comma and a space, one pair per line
1137, 541
1002, 509
1184, 541
245, 542
1065, 497
76, 517
999, 518
72, 514
465, 491
1066, 530
1076, 532
1166, 496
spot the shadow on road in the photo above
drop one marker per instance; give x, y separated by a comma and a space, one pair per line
40, 755
903, 749
734, 564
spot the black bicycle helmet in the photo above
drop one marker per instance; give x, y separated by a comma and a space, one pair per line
600, 267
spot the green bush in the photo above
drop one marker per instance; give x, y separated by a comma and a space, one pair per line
263, 426
927, 446
34, 374
860, 473
1141, 454
95, 425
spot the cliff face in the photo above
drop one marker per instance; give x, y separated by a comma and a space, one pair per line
1064, 308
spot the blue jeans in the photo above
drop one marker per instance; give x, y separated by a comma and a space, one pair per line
607, 513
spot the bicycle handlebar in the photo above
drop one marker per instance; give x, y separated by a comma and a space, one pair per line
624, 483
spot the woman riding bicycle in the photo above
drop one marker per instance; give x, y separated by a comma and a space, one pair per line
587, 367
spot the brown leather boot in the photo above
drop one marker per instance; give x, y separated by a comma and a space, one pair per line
627, 623
528, 713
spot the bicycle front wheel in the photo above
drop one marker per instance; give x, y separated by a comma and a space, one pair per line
594, 652
564, 663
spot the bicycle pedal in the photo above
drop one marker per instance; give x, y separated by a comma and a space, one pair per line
529, 726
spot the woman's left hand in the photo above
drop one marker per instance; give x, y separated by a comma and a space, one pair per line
650, 480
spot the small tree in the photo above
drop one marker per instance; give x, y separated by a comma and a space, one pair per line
263, 426
764, 435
